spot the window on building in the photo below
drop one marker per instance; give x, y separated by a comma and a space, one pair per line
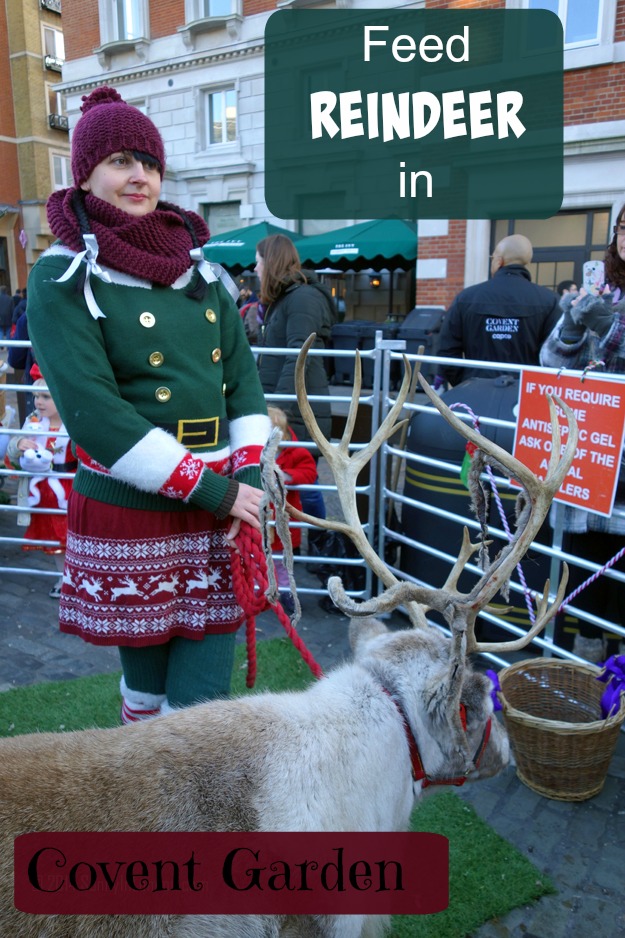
57, 118
205, 16
122, 20
128, 19
210, 9
61, 171
55, 100
580, 18
561, 244
205, 9
221, 216
53, 48
221, 116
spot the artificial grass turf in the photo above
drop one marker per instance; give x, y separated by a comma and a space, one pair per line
87, 702
488, 877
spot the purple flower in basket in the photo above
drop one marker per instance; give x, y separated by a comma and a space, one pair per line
613, 675
497, 687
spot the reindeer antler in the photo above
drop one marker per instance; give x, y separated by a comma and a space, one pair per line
459, 609
346, 468
538, 494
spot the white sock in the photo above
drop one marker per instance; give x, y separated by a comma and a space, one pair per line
139, 705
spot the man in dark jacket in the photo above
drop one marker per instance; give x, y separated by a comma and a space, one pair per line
504, 319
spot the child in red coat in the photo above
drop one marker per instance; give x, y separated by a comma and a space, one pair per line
299, 468
43, 449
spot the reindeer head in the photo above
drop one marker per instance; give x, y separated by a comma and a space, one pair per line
451, 721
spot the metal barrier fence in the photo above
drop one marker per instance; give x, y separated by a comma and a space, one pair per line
399, 509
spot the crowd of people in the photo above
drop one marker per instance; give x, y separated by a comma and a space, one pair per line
146, 353
509, 319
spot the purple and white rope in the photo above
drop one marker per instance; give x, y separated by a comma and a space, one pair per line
592, 578
527, 593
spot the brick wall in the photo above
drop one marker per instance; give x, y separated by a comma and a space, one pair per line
451, 246
7, 115
81, 27
11, 37
166, 16
619, 30
465, 4
250, 7
594, 94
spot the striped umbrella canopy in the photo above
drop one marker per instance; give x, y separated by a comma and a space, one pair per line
383, 244
236, 250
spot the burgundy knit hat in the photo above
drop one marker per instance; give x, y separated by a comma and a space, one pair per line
109, 125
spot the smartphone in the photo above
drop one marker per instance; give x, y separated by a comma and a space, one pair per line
594, 277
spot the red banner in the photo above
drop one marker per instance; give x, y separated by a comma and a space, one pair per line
599, 408
226, 873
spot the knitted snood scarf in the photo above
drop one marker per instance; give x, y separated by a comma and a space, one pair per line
154, 247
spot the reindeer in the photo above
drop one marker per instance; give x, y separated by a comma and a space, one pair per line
203, 580
93, 587
167, 586
131, 588
352, 752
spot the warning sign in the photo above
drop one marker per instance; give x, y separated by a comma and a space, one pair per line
599, 407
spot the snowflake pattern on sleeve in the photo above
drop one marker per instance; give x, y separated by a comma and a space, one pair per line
183, 479
246, 456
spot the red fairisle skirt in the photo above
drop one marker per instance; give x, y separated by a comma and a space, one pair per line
142, 577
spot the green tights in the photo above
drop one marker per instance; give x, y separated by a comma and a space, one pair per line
186, 670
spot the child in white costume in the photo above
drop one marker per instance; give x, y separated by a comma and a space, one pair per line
44, 456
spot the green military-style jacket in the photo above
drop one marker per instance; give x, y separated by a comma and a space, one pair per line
156, 383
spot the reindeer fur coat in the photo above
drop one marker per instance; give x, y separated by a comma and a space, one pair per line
331, 758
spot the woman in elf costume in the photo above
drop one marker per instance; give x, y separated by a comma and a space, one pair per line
44, 449
145, 353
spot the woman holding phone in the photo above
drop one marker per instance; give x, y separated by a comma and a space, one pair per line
591, 331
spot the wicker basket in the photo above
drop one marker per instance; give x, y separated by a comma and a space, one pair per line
552, 713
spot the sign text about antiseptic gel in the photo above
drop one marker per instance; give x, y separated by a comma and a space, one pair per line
413, 113
599, 408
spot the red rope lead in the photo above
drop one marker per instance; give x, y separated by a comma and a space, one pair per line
250, 581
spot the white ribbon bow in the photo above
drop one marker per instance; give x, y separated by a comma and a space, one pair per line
213, 272
90, 257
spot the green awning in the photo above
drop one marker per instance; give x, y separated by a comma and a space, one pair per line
385, 244
236, 250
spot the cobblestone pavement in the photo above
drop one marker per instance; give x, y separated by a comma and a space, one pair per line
580, 846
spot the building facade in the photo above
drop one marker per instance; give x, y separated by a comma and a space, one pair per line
34, 139
196, 67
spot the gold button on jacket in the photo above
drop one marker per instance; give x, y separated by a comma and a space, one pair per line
162, 395
216, 354
147, 320
211, 315
156, 359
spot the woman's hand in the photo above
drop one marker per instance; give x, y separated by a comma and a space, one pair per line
246, 508
593, 312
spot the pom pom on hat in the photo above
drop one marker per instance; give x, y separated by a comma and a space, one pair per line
35, 372
108, 125
103, 95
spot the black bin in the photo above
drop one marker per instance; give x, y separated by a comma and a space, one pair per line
422, 326
389, 331
347, 336
358, 334
431, 436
